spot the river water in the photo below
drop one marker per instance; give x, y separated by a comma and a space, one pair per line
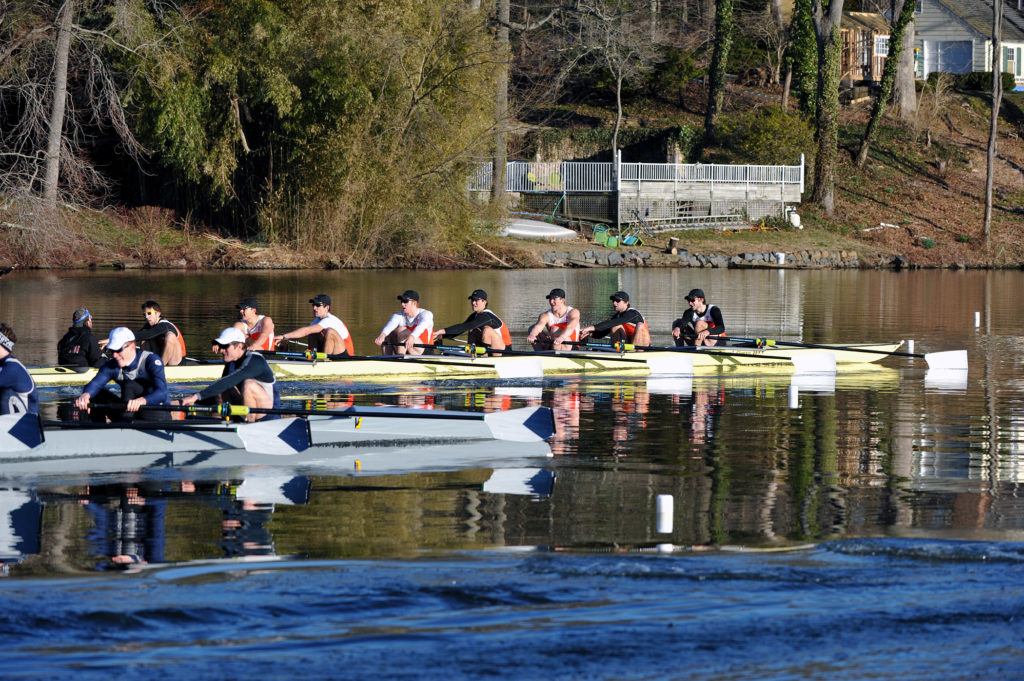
870, 526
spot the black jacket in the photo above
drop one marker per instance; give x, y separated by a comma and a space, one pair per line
79, 348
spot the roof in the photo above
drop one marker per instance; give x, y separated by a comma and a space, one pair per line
978, 15
870, 21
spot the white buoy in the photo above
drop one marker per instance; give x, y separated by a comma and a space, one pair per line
977, 319
794, 397
910, 346
665, 513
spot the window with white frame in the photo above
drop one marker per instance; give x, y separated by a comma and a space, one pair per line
1011, 60
919, 6
882, 45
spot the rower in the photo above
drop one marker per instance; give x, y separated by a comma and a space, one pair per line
79, 347
18, 394
247, 378
161, 336
557, 327
258, 328
484, 327
627, 325
700, 325
408, 328
140, 374
326, 333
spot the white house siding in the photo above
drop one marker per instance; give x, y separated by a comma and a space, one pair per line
942, 39
940, 35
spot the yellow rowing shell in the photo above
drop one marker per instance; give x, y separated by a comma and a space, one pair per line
571, 363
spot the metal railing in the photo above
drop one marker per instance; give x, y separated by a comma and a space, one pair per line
588, 176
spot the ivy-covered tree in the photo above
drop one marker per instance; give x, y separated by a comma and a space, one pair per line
802, 57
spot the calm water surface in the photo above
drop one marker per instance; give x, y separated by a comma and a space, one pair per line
866, 527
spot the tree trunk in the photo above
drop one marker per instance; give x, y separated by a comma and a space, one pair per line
618, 114
55, 137
826, 29
892, 63
500, 158
997, 98
905, 93
785, 87
719, 60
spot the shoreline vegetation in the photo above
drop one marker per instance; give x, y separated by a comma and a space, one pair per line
282, 136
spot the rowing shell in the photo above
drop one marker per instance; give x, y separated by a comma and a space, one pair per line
568, 363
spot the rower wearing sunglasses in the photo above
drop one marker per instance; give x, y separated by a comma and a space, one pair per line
139, 374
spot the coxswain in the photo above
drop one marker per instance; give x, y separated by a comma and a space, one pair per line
258, 328
326, 333
139, 373
247, 379
557, 327
79, 347
627, 325
18, 394
700, 325
161, 336
483, 326
407, 329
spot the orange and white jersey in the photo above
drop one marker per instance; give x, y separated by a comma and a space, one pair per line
421, 326
331, 321
254, 333
557, 324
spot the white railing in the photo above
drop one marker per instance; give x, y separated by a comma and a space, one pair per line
588, 176
713, 173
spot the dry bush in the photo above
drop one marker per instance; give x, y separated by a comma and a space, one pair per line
34, 235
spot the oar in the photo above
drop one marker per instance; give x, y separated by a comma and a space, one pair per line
818, 362
949, 359
320, 356
522, 425
23, 432
273, 436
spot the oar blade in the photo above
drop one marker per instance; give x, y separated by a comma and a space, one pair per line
520, 367
674, 364
19, 432
528, 424
948, 360
814, 362
277, 437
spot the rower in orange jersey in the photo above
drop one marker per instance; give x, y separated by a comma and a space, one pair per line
406, 329
326, 333
258, 328
627, 325
557, 327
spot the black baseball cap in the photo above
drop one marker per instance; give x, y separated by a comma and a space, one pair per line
478, 294
248, 302
619, 295
556, 293
695, 293
321, 299
409, 295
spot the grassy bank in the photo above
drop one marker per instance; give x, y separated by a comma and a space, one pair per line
921, 196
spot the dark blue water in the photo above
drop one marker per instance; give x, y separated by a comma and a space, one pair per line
852, 609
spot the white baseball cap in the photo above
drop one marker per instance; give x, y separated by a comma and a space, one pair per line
119, 337
230, 335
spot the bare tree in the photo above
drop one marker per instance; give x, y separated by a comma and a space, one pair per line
617, 38
827, 15
58, 87
905, 88
993, 130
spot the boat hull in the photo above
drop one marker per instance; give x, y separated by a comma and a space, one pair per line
570, 363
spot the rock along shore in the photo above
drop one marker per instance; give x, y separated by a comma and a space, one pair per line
645, 257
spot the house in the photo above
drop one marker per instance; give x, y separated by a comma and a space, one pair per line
955, 36
865, 37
